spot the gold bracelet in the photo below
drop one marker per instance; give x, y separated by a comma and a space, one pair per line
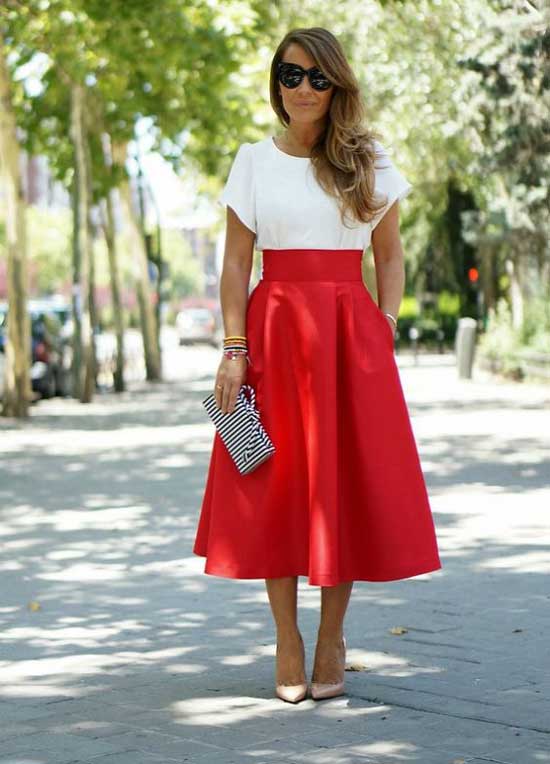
392, 318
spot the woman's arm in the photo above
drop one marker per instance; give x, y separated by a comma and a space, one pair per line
234, 281
389, 263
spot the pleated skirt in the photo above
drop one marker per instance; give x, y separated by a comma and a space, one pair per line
344, 497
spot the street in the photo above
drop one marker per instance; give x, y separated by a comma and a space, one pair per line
115, 647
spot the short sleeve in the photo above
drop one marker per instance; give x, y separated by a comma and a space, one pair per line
389, 182
238, 192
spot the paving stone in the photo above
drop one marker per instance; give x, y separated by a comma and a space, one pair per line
30, 756
137, 657
15, 730
64, 745
13, 713
133, 756
491, 760
528, 748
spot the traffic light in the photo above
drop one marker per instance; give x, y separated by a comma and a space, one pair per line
473, 275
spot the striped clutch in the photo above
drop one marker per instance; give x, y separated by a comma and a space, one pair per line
241, 430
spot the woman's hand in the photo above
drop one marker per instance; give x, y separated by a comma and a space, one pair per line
229, 378
392, 325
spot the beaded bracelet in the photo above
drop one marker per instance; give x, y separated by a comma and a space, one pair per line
235, 345
234, 354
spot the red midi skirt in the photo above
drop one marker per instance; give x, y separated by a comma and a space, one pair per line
343, 497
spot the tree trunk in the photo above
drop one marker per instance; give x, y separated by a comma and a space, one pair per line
85, 382
151, 346
76, 369
94, 318
17, 385
108, 224
107, 218
516, 296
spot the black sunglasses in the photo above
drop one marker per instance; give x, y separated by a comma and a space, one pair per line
291, 76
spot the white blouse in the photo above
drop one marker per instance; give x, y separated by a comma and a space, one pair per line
276, 196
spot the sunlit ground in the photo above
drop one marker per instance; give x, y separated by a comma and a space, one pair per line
113, 639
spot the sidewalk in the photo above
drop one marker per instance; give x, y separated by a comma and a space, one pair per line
115, 647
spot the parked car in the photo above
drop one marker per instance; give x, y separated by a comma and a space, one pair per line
197, 324
51, 345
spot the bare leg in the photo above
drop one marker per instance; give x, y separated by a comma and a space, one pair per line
334, 603
282, 594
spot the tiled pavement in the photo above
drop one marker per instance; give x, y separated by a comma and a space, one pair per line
132, 655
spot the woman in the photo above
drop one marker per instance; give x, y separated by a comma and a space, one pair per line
343, 497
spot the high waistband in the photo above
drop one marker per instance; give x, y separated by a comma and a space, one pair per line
312, 265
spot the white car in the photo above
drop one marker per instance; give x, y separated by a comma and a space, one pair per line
196, 325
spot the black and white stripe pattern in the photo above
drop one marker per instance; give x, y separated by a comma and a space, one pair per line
241, 431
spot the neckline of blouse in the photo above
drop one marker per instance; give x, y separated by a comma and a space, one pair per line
290, 156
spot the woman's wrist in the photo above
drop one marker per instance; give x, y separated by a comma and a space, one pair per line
391, 317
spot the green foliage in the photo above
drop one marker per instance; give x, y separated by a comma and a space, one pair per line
506, 84
500, 338
49, 246
535, 330
459, 90
431, 322
173, 61
186, 271
509, 350
448, 304
409, 307
501, 343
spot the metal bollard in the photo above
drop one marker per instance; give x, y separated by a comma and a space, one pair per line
465, 342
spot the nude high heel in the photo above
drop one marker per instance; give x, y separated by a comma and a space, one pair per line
292, 693
321, 690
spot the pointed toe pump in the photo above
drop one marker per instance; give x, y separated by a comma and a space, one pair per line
292, 693
321, 690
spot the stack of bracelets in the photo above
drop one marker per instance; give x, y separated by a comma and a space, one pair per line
235, 346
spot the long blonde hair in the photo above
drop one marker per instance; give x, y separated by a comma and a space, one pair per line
343, 156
